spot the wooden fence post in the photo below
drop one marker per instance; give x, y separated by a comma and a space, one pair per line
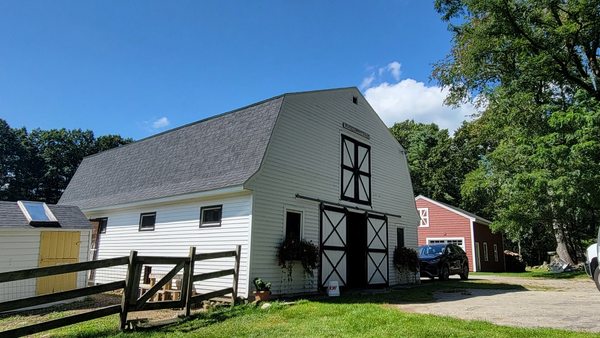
189, 283
236, 273
129, 282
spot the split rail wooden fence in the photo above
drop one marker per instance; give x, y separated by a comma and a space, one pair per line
131, 300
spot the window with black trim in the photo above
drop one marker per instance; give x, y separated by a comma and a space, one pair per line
293, 225
102, 222
211, 216
147, 221
400, 237
356, 171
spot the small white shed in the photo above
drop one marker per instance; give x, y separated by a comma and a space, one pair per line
35, 234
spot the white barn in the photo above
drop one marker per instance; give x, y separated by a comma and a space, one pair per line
34, 234
323, 159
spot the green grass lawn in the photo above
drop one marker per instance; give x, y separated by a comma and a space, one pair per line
372, 315
316, 319
536, 273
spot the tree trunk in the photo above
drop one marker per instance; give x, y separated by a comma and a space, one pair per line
561, 243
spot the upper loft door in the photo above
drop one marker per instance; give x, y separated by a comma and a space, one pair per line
356, 171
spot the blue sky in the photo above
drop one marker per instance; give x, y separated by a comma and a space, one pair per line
136, 68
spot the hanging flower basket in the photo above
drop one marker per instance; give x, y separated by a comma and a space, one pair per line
291, 251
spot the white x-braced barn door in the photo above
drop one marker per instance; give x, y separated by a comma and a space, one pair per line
333, 245
377, 253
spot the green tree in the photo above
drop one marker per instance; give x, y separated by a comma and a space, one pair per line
534, 64
430, 160
39, 165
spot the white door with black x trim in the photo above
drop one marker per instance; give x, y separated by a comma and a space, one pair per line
333, 245
377, 250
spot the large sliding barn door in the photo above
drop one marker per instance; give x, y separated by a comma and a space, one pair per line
333, 245
377, 253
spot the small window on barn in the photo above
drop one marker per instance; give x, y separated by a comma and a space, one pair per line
293, 225
496, 252
486, 257
424, 215
147, 221
102, 222
211, 216
400, 240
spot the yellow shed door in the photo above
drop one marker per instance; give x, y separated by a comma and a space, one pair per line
58, 247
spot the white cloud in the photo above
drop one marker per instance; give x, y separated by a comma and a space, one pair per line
410, 99
394, 69
366, 82
160, 123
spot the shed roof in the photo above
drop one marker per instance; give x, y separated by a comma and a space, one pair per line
459, 211
218, 152
68, 217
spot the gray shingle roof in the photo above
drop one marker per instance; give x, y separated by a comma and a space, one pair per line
218, 152
69, 217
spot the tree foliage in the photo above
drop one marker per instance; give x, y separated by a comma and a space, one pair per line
534, 65
429, 158
437, 161
38, 165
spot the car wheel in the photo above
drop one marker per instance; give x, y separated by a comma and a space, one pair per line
597, 277
464, 275
444, 273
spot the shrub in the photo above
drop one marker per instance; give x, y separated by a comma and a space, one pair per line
406, 259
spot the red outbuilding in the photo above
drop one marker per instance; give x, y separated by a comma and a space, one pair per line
443, 223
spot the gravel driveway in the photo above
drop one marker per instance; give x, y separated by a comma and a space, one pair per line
572, 304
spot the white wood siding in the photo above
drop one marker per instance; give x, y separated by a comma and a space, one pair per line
410, 241
304, 157
176, 230
20, 249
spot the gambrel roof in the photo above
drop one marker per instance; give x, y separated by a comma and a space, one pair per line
456, 210
218, 152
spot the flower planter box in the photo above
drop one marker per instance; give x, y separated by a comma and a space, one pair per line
262, 296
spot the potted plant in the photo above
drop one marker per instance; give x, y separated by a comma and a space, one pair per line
407, 260
291, 251
263, 290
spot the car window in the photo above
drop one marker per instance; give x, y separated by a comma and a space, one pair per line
449, 249
431, 250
